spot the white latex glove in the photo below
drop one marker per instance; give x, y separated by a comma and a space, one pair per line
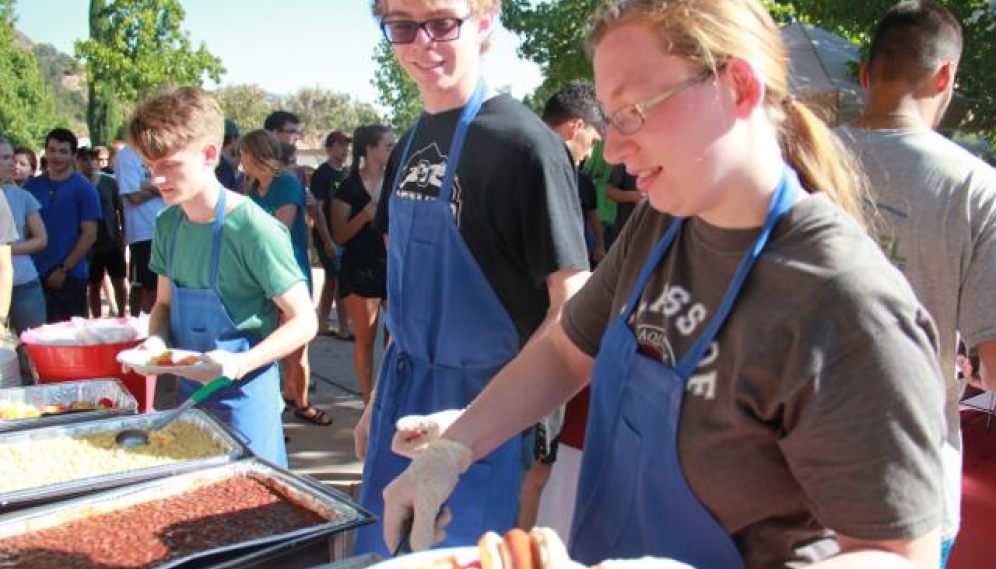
361, 433
153, 344
414, 432
420, 493
642, 563
219, 363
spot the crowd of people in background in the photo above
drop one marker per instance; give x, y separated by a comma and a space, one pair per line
491, 217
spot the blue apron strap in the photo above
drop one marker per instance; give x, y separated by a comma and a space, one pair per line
785, 196
648, 268
456, 145
219, 222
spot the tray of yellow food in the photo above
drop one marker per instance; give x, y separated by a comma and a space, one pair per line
51, 463
61, 403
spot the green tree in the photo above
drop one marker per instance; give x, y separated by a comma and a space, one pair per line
553, 35
247, 105
398, 93
27, 111
136, 47
322, 111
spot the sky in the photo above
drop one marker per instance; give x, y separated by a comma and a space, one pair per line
281, 45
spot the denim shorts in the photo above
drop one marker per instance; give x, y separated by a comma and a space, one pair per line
27, 306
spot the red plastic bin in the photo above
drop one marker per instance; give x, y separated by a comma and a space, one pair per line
56, 363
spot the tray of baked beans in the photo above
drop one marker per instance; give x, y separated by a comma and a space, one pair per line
191, 519
51, 463
65, 402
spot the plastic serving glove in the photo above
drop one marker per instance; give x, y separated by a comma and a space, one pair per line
153, 344
414, 432
220, 363
420, 492
642, 563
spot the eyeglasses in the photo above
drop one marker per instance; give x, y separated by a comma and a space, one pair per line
438, 29
630, 118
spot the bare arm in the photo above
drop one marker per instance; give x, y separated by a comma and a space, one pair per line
595, 225
6, 283
621, 196
147, 191
921, 552
322, 224
343, 228
987, 367
159, 322
85, 241
286, 214
550, 368
298, 326
38, 237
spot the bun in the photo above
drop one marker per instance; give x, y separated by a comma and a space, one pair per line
548, 550
489, 549
541, 548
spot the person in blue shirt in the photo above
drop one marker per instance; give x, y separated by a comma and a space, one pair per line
70, 209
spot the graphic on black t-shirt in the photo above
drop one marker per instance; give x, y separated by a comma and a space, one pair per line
423, 176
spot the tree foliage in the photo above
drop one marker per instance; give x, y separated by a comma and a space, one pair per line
136, 47
553, 34
398, 93
320, 110
27, 111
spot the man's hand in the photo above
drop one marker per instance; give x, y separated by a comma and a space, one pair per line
56, 278
361, 433
420, 492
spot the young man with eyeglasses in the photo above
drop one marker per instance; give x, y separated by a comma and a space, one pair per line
480, 208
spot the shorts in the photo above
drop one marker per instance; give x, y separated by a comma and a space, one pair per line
366, 278
140, 273
108, 261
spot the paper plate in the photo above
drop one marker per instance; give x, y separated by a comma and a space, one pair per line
138, 359
433, 558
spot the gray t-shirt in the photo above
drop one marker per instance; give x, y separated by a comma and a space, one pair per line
819, 405
937, 207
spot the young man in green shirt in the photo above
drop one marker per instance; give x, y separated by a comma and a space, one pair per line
226, 271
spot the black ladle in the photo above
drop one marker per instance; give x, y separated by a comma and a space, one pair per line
137, 437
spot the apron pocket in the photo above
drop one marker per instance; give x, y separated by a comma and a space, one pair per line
611, 503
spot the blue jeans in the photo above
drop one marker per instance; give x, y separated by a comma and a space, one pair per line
27, 306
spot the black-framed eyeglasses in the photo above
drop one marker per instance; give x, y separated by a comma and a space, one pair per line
438, 29
630, 118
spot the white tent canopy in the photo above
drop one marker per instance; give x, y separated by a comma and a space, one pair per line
819, 71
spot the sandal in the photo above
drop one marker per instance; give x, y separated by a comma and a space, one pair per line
344, 336
313, 415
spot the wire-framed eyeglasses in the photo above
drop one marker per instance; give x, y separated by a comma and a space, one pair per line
630, 118
438, 29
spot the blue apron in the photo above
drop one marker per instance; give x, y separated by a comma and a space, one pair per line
200, 322
451, 335
633, 499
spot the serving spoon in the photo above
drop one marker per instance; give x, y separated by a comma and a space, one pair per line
137, 437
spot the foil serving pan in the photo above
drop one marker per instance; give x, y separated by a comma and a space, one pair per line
66, 393
232, 449
339, 511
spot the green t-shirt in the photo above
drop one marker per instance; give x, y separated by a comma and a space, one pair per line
255, 263
598, 170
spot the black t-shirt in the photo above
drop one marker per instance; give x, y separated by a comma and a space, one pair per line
515, 199
109, 227
587, 193
367, 245
620, 179
324, 181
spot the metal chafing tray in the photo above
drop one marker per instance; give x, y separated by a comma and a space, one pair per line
336, 508
66, 393
232, 449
